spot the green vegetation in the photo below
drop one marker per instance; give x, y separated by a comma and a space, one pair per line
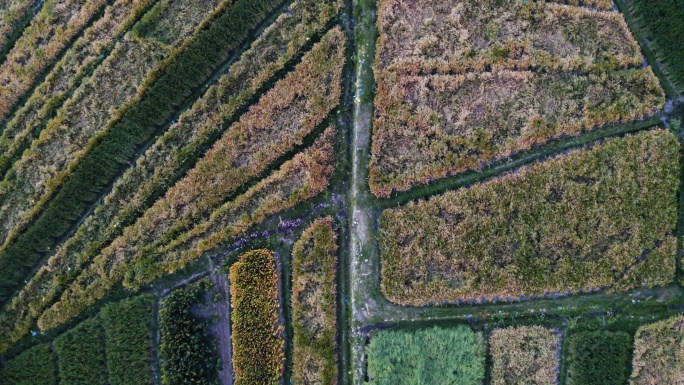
599, 358
257, 333
189, 355
81, 354
429, 357
613, 207
128, 334
36, 366
658, 353
663, 22
314, 290
524, 355
91, 176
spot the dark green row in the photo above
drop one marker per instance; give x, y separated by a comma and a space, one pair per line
139, 124
663, 24
112, 349
600, 358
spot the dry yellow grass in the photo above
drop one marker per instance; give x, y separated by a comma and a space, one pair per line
525, 355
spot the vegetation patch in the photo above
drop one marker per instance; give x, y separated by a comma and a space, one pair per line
189, 355
658, 353
314, 315
663, 23
258, 344
525, 355
36, 366
128, 332
166, 159
81, 354
430, 357
12, 16
595, 218
599, 358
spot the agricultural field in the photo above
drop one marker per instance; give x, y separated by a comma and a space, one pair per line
341, 192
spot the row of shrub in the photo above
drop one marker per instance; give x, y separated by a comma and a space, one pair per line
189, 354
14, 16
77, 63
314, 305
430, 127
87, 117
49, 33
257, 331
120, 142
164, 161
595, 218
663, 23
515, 35
297, 180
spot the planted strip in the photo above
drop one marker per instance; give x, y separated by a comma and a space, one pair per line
599, 357
50, 31
109, 152
81, 354
14, 15
257, 335
314, 304
164, 161
430, 127
128, 331
78, 62
302, 178
525, 355
36, 366
657, 355
599, 218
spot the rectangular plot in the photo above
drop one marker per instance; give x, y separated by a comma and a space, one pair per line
657, 355
81, 354
525, 355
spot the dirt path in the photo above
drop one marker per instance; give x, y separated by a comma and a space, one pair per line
221, 329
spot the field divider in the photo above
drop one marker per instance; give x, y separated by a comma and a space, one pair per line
550, 149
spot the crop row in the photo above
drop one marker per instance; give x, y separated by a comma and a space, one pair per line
109, 153
77, 63
13, 17
188, 353
592, 219
599, 357
112, 348
314, 292
429, 127
299, 179
257, 332
160, 164
663, 22
84, 120
514, 35
50, 31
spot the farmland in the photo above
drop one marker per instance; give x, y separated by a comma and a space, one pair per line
340, 192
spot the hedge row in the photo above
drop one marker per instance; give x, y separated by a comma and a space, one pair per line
128, 334
87, 117
103, 162
257, 335
657, 355
433, 356
163, 162
663, 22
78, 61
314, 304
189, 354
596, 218
297, 180
426, 36
81, 354
599, 358
36, 366
50, 31
525, 355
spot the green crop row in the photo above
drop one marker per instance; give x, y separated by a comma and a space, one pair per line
663, 22
50, 31
189, 354
110, 151
162, 162
314, 292
36, 366
299, 179
433, 356
81, 354
599, 358
595, 218
257, 335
